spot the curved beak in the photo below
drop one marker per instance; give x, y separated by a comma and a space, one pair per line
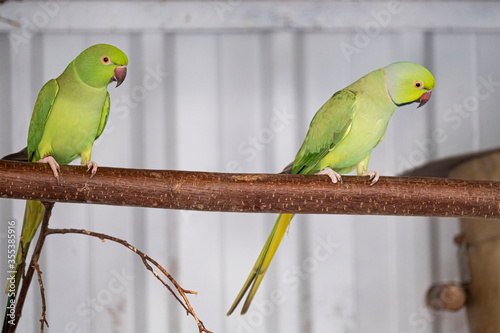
424, 98
120, 74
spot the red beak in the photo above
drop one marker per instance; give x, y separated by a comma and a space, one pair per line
120, 74
424, 98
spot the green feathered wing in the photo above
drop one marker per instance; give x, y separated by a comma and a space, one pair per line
329, 127
104, 116
41, 113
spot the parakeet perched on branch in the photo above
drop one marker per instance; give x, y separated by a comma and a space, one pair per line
70, 113
341, 138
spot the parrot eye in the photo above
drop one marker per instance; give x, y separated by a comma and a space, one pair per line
105, 60
418, 84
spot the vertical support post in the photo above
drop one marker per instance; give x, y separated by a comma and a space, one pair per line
483, 244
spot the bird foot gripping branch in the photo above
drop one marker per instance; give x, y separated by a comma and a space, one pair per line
373, 176
91, 165
54, 166
334, 176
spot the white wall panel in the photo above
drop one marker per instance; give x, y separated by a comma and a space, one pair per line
489, 77
204, 92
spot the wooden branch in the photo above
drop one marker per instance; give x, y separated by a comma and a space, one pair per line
482, 239
262, 193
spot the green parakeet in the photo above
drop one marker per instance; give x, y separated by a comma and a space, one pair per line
70, 113
341, 138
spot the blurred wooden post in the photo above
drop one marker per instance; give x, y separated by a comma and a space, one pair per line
483, 240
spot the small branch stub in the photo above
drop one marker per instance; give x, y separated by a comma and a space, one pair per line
446, 296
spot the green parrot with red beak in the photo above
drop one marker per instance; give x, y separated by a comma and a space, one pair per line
341, 137
70, 113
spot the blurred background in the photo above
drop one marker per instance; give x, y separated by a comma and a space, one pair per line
231, 86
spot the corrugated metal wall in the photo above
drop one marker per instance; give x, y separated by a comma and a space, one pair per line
240, 100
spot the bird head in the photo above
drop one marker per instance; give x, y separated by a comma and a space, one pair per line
407, 82
101, 64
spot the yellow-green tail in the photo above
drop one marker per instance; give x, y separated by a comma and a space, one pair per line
33, 215
262, 263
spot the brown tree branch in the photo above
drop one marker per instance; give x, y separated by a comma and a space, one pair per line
34, 261
146, 260
262, 193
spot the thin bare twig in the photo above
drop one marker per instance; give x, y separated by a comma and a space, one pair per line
43, 319
13, 23
146, 260
45, 230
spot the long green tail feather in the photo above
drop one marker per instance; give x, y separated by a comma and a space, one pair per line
262, 263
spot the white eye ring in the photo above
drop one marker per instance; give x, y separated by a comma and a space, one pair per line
418, 84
